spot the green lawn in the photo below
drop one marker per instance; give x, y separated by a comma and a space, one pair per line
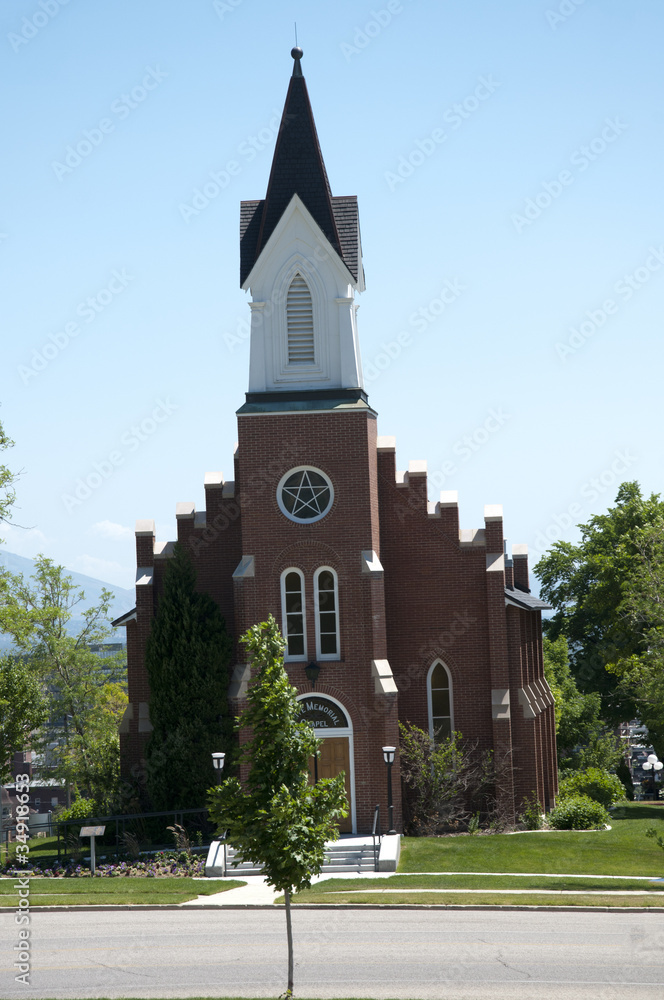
479, 899
493, 882
623, 850
40, 848
109, 891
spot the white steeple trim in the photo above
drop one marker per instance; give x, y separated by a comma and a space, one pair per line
298, 247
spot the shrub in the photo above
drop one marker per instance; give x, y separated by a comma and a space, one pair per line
532, 817
578, 813
598, 785
80, 809
447, 783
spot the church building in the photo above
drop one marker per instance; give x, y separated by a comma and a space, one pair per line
400, 613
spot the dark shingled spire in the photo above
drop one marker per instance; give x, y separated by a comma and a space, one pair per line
298, 168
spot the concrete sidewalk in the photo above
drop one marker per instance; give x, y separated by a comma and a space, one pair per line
258, 893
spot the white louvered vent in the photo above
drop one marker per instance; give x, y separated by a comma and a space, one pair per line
300, 322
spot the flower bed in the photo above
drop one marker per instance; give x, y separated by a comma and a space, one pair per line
163, 864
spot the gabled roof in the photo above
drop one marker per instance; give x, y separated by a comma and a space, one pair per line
521, 599
298, 168
124, 619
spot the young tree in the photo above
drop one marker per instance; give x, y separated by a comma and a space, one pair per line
84, 693
187, 659
278, 819
586, 585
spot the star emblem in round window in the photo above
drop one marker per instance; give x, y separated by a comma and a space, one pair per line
305, 494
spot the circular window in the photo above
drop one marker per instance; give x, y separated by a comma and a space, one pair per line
305, 494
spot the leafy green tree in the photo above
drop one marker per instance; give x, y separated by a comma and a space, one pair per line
22, 711
187, 659
586, 584
641, 674
7, 481
583, 739
93, 767
277, 818
84, 693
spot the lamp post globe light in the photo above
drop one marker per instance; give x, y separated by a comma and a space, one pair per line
218, 763
388, 757
655, 765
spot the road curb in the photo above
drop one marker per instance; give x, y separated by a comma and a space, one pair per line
342, 906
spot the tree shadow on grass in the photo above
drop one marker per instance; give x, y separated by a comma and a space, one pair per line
639, 810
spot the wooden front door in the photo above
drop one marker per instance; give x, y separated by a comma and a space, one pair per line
334, 757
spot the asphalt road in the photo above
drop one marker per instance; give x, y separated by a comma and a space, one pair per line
462, 954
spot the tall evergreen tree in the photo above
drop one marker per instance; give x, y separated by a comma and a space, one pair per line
187, 659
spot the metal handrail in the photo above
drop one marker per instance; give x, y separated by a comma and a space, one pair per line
375, 833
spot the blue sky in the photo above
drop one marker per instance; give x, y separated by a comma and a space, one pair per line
507, 159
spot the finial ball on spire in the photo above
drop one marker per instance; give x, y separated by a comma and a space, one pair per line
297, 54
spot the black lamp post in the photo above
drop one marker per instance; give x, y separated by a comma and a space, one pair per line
312, 670
218, 762
388, 757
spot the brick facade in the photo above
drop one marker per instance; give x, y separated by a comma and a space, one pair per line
413, 588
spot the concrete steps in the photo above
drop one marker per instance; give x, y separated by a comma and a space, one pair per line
348, 854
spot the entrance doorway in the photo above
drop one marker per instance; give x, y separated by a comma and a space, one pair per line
333, 758
332, 725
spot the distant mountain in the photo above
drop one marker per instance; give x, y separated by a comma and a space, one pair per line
124, 600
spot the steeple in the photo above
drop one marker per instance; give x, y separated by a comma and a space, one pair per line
298, 168
301, 260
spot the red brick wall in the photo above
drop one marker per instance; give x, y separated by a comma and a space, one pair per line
435, 601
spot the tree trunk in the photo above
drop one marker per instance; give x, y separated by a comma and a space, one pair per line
289, 932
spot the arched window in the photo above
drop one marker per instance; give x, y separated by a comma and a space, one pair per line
300, 323
292, 613
439, 692
326, 603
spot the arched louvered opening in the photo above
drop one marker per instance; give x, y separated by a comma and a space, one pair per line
300, 322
